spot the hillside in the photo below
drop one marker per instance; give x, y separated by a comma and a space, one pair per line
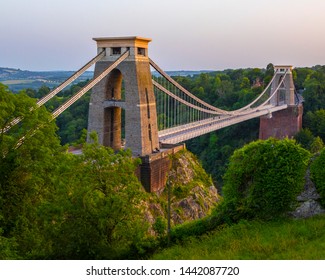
17, 79
276, 240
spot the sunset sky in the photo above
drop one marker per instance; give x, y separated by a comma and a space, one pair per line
186, 34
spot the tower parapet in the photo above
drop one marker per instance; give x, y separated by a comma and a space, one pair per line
115, 46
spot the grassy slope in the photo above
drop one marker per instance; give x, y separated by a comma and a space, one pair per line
286, 239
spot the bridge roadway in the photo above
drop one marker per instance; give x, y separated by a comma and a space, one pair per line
188, 131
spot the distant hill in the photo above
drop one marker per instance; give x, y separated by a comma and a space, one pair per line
184, 73
17, 79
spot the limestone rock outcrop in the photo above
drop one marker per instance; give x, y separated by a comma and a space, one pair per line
192, 193
308, 200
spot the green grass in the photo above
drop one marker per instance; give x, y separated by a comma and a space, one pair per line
281, 240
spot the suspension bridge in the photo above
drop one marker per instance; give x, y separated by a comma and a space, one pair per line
159, 112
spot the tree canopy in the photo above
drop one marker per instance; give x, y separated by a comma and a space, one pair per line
58, 205
264, 178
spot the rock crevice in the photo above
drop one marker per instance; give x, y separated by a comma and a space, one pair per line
308, 200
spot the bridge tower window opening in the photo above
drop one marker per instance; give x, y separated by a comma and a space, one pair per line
116, 51
142, 51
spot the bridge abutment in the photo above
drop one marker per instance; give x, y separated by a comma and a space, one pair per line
281, 124
154, 168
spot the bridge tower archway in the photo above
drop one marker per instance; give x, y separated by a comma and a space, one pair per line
112, 135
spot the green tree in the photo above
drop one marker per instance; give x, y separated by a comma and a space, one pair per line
317, 168
245, 83
269, 73
7, 248
314, 93
94, 210
264, 178
269, 70
316, 145
27, 156
315, 121
305, 138
300, 75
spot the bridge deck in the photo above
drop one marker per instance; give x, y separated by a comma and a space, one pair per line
188, 131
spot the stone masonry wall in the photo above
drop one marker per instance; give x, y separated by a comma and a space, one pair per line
285, 123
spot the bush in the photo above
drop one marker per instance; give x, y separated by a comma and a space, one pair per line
8, 247
264, 178
318, 175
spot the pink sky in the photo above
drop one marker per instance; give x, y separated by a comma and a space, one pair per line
186, 34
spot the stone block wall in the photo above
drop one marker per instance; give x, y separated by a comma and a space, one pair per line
154, 168
285, 123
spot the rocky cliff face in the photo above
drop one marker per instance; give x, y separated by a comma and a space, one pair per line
192, 193
308, 200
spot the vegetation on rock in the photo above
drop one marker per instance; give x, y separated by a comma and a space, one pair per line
264, 178
192, 194
318, 175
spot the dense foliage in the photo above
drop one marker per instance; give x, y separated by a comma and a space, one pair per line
93, 210
262, 182
318, 175
58, 205
24, 152
73, 122
264, 178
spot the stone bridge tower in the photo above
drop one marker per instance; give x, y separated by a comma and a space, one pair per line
284, 123
107, 99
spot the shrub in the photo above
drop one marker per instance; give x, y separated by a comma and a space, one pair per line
264, 178
318, 175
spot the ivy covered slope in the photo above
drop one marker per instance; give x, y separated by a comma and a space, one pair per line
192, 193
264, 178
253, 220
192, 189
262, 182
